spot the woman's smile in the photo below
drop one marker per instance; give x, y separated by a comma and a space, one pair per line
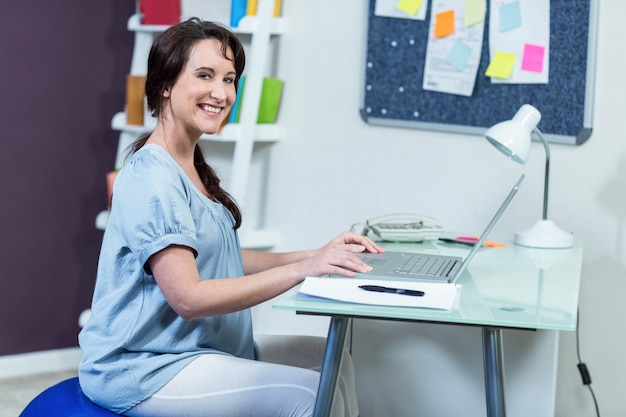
210, 109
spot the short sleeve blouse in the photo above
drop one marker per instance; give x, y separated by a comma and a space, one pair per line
134, 342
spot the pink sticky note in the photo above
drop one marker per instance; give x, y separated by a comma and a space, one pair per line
532, 60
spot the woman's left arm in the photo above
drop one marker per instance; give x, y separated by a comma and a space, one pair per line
254, 262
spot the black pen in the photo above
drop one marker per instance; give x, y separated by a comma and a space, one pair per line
378, 288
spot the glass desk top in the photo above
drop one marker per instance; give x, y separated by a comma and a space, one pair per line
510, 287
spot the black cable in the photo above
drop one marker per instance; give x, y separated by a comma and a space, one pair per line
582, 367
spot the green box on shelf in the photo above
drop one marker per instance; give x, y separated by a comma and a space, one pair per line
270, 100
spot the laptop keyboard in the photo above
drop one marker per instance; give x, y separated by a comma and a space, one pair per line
423, 265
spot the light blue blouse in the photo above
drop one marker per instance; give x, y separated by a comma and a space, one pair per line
134, 342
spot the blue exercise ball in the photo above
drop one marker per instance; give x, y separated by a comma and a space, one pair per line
64, 399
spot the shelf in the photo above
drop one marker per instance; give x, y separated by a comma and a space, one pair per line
230, 133
247, 25
135, 25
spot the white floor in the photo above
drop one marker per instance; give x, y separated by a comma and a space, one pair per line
17, 392
24, 376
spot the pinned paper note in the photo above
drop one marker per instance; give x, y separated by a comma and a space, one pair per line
532, 60
410, 7
474, 12
459, 55
510, 16
531, 23
444, 24
501, 65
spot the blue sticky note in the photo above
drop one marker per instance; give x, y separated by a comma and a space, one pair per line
459, 55
510, 16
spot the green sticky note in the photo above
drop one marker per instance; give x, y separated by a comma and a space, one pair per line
501, 65
409, 6
474, 12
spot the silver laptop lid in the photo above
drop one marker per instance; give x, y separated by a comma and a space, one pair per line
492, 223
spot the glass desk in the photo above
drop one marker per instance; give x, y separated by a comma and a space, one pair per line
511, 287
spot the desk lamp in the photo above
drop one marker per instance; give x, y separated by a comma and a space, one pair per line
513, 138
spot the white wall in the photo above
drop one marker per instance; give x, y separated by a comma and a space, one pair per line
327, 173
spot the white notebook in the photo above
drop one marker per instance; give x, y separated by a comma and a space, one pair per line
436, 295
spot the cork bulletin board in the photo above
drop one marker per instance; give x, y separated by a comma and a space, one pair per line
394, 70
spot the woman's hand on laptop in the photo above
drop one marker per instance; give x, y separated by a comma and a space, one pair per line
339, 256
355, 243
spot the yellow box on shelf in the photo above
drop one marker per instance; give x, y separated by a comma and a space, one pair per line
251, 8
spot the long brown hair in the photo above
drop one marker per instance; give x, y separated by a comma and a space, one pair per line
168, 55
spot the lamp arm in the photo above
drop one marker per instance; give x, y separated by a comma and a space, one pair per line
547, 175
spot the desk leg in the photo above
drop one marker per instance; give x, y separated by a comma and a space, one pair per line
494, 371
329, 373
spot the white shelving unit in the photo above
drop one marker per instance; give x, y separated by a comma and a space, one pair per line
260, 28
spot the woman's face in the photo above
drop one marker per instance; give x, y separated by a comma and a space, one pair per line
204, 92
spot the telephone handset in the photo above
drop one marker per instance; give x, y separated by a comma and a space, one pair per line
405, 227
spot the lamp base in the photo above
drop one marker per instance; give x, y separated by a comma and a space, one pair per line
544, 234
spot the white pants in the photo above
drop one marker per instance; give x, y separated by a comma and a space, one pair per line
283, 383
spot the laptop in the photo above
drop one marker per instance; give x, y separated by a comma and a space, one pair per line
409, 266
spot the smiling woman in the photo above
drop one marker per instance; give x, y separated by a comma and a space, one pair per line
171, 263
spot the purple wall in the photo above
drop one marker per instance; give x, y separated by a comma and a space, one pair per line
63, 67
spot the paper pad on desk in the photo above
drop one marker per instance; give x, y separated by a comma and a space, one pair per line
436, 295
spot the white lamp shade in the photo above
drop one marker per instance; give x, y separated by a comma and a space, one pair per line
513, 137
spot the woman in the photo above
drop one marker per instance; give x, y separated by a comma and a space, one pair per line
170, 331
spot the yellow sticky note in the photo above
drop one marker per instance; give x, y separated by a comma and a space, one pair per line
444, 24
501, 65
474, 12
409, 6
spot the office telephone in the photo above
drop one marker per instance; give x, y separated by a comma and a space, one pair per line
404, 227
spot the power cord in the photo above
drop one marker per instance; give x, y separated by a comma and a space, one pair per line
582, 367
